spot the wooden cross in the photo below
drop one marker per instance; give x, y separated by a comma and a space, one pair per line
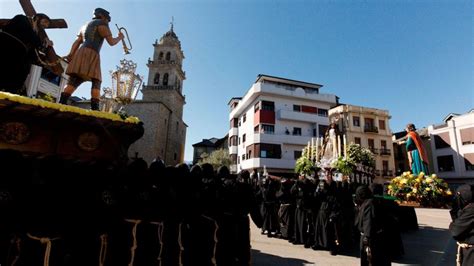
51, 55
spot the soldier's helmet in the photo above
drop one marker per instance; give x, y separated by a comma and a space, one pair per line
102, 12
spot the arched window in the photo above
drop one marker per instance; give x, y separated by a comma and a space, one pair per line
160, 57
165, 79
156, 80
168, 56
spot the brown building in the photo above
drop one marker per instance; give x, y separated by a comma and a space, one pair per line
370, 128
207, 146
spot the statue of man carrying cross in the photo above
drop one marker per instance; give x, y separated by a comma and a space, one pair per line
23, 41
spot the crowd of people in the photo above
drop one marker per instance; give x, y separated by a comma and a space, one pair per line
330, 215
60, 212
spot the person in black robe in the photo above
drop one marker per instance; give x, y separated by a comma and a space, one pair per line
81, 240
344, 195
11, 197
462, 226
303, 191
237, 200
110, 234
19, 39
390, 220
247, 204
373, 240
286, 213
327, 225
269, 207
45, 217
135, 209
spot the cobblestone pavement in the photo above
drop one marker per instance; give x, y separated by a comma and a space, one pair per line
430, 245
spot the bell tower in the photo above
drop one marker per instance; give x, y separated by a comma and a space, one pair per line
161, 107
165, 73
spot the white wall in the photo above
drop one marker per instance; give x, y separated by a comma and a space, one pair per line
457, 149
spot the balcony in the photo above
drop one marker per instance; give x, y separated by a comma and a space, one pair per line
233, 149
233, 131
302, 117
371, 129
387, 173
374, 150
385, 151
281, 138
159, 87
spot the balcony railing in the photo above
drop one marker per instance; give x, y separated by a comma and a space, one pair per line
159, 87
387, 173
371, 129
374, 150
385, 151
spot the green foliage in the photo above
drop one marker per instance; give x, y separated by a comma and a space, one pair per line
346, 167
217, 158
304, 166
356, 154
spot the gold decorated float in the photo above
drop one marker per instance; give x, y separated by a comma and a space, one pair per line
41, 128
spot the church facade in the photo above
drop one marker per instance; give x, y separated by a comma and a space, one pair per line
161, 107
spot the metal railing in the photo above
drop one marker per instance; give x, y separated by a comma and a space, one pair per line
385, 151
371, 128
374, 150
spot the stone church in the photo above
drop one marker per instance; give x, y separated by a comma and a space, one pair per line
161, 108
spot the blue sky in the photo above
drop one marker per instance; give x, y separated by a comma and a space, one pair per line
414, 58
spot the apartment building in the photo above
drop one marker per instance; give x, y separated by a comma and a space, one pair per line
274, 121
452, 145
368, 127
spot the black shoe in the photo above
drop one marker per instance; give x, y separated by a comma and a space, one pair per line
64, 98
95, 104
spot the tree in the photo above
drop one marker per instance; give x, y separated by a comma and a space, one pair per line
218, 158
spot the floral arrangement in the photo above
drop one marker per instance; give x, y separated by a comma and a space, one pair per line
427, 191
65, 108
344, 166
359, 155
304, 166
356, 155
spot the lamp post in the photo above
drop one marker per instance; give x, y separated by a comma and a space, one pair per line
125, 86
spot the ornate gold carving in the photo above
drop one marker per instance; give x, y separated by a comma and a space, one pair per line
88, 141
14, 132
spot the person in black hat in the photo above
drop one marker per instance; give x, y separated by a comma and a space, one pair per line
84, 58
462, 226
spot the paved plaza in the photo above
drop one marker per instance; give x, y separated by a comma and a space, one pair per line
430, 245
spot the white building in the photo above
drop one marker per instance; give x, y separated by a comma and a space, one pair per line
370, 128
452, 145
274, 121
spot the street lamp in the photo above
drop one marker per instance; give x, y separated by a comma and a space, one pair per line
125, 86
